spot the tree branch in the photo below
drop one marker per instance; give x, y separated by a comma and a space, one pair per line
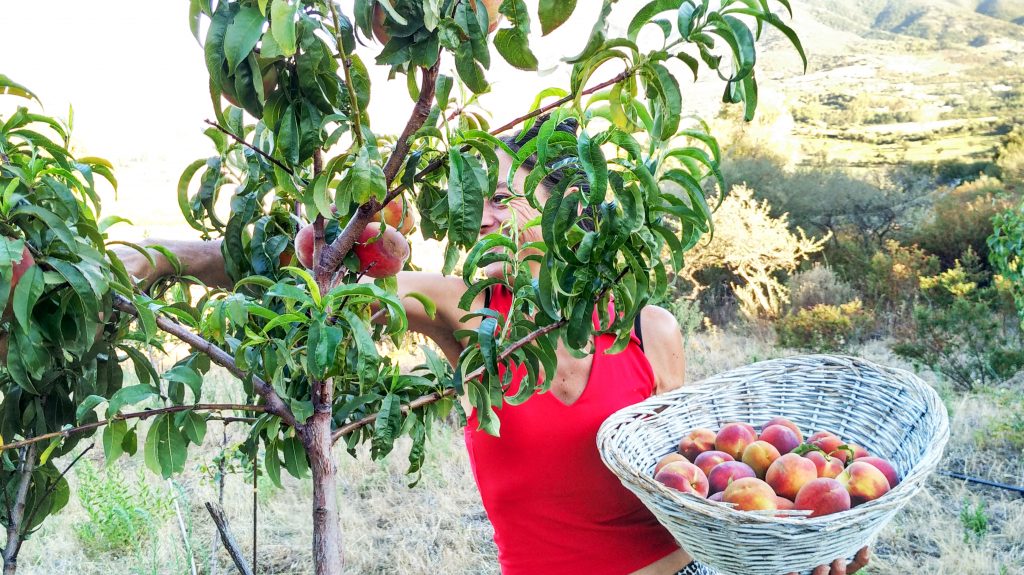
267, 156
136, 415
18, 511
332, 255
53, 485
227, 538
273, 402
433, 397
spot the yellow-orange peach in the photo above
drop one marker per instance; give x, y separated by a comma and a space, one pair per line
709, 459
399, 215
781, 437
696, 442
789, 473
733, 438
381, 257
684, 476
759, 455
828, 442
725, 473
864, 482
670, 458
783, 504
750, 494
785, 423
822, 496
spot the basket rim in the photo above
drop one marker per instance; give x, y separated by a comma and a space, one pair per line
635, 415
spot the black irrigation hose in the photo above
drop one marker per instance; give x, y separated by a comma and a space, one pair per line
1015, 488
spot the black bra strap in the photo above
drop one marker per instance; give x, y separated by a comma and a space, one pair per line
636, 329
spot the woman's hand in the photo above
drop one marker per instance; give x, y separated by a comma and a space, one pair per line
839, 566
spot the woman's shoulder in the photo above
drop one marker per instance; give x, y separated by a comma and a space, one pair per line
663, 346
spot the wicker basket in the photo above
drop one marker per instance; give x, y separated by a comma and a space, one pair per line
890, 412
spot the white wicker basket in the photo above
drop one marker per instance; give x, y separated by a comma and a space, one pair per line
892, 413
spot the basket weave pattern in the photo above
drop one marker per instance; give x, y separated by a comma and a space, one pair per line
890, 412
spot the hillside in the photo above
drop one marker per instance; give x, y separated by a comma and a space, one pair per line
894, 81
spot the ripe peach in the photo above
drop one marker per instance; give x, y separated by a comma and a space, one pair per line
18, 269
696, 442
383, 257
822, 496
789, 473
716, 496
399, 215
864, 482
709, 459
828, 442
733, 438
670, 458
858, 451
783, 503
759, 455
784, 423
781, 437
684, 476
304, 247
725, 473
827, 465
884, 466
750, 494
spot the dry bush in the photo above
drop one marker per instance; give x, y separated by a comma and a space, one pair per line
754, 247
818, 285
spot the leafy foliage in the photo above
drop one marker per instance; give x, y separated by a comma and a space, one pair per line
825, 328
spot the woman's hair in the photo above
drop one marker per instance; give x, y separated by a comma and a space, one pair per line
554, 177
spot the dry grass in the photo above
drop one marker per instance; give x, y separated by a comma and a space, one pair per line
439, 526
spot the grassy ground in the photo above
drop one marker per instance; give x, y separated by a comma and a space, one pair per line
439, 526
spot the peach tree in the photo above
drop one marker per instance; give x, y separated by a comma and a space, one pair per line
294, 144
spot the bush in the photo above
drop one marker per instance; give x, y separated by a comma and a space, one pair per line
962, 219
825, 328
818, 285
961, 331
121, 512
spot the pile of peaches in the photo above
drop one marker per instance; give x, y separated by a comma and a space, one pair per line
777, 470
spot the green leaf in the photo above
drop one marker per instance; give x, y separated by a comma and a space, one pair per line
129, 396
514, 46
188, 376
87, 406
294, 457
554, 13
113, 439
194, 427
594, 165
365, 179
282, 24
242, 35
387, 425
26, 294
645, 14
466, 182
8, 86
429, 307
167, 444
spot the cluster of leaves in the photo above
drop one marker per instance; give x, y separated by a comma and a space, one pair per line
280, 324
59, 336
1006, 252
824, 328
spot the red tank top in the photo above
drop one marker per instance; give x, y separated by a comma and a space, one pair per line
555, 508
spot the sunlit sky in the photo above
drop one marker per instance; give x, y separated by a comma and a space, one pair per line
136, 78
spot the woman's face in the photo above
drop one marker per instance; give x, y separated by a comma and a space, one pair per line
508, 211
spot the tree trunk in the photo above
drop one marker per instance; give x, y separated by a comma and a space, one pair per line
18, 512
328, 557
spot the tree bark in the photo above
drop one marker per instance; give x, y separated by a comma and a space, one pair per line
328, 557
18, 512
227, 538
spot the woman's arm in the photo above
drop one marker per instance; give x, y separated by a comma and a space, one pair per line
198, 258
663, 345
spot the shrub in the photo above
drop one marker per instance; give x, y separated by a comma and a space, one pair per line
890, 281
123, 514
825, 328
961, 331
818, 285
962, 219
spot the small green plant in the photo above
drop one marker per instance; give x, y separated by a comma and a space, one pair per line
825, 328
689, 316
123, 513
974, 520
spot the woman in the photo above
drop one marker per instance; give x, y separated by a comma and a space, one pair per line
555, 508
